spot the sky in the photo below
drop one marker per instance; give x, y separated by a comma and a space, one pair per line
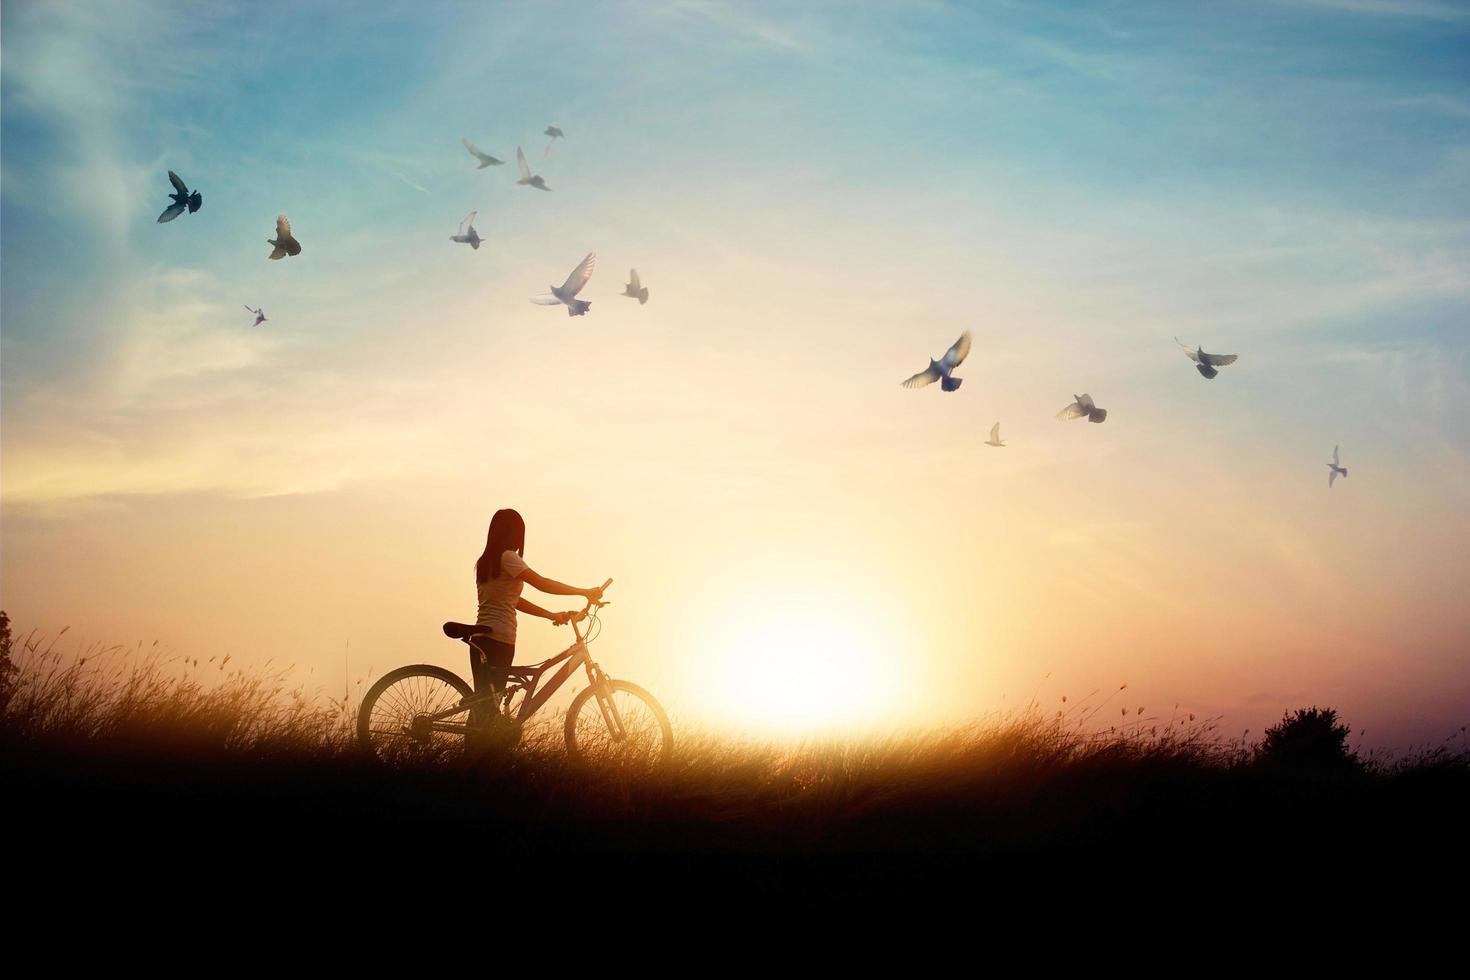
819, 198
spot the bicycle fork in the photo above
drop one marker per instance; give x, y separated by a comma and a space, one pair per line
605, 704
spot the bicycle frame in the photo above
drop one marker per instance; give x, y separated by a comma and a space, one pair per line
576, 655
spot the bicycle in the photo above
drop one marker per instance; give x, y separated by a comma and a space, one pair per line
410, 713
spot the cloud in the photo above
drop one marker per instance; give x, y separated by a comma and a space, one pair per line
84, 72
739, 21
1426, 9
1112, 562
416, 186
192, 398
174, 334
1437, 103
231, 434
1251, 267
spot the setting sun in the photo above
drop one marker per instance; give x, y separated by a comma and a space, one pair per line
809, 668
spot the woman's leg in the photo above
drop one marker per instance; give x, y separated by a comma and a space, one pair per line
488, 660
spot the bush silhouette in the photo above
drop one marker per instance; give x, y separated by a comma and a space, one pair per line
1308, 739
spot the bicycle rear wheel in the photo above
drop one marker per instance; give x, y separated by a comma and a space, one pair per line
392, 722
618, 725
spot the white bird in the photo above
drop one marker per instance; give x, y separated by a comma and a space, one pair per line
567, 292
1334, 469
467, 234
1206, 363
635, 288
283, 242
994, 439
526, 177
259, 316
1082, 407
486, 160
941, 369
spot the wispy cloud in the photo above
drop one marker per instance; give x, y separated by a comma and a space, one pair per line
84, 72
1436, 102
738, 20
411, 183
1428, 9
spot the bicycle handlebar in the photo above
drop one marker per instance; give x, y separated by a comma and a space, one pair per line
591, 604
601, 588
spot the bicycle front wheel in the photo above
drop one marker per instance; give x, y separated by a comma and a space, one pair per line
393, 722
619, 725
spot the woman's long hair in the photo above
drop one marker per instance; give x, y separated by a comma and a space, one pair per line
507, 533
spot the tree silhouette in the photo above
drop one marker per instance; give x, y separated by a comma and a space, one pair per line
1308, 739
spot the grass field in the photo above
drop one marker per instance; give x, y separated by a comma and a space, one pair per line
189, 762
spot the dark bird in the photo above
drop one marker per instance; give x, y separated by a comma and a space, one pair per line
635, 288
283, 242
555, 135
526, 176
1082, 407
259, 316
486, 160
467, 234
941, 369
182, 199
1204, 363
1335, 469
567, 291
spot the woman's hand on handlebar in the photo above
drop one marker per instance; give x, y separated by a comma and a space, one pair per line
562, 618
595, 594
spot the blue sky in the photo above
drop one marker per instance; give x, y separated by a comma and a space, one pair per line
819, 197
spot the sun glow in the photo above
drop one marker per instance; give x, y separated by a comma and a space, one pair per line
804, 671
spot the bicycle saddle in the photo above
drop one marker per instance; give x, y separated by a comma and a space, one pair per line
463, 631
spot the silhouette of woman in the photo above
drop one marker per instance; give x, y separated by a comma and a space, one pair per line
500, 574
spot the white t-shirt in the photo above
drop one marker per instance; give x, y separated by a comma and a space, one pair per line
498, 598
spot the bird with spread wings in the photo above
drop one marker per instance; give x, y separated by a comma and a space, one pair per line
486, 160
182, 199
567, 292
1206, 363
942, 369
528, 178
1082, 407
1335, 469
635, 289
283, 242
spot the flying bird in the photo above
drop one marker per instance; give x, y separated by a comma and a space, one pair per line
259, 316
555, 134
567, 291
486, 160
526, 177
1204, 363
635, 289
182, 199
1334, 469
994, 439
467, 234
283, 242
941, 369
1082, 406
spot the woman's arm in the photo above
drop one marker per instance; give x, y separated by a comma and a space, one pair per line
552, 587
530, 607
